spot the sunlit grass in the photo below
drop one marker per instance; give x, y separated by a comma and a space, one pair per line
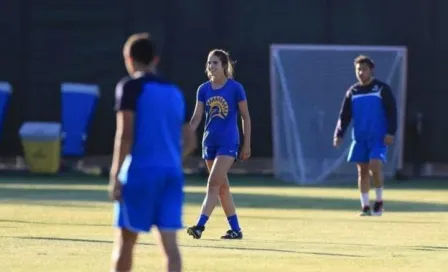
66, 227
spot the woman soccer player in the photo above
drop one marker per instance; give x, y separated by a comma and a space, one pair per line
221, 98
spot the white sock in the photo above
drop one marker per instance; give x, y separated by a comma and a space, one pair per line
379, 194
365, 199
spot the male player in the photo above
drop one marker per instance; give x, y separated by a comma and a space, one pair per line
146, 178
371, 105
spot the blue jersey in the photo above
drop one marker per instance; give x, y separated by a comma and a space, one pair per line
221, 113
159, 108
372, 108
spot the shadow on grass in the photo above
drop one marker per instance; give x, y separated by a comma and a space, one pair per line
431, 248
417, 248
357, 245
345, 219
52, 223
60, 197
197, 246
250, 181
236, 181
53, 180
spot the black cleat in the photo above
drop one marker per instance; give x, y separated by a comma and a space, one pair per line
196, 231
378, 208
233, 235
366, 211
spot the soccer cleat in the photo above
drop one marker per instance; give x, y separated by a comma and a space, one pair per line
378, 208
366, 211
195, 231
233, 235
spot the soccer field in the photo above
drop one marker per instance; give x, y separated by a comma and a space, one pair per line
51, 224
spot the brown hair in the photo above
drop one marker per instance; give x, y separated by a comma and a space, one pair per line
362, 59
141, 48
226, 62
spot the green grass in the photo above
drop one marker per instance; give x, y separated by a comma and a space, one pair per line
60, 225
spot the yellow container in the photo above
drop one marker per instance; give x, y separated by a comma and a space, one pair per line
41, 146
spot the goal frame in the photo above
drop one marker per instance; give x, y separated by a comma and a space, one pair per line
402, 50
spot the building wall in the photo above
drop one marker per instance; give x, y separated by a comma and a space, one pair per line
47, 42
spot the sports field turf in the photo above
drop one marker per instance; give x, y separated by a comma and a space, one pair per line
51, 224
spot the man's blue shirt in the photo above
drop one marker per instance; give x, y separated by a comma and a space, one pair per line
159, 114
372, 108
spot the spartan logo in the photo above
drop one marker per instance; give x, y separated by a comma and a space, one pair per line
218, 107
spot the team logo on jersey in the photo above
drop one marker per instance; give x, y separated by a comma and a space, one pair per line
218, 107
376, 89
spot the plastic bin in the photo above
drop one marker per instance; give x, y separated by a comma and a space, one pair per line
78, 103
41, 145
5, 93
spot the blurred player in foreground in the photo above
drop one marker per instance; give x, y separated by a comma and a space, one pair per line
221, 98
371, 105
146, 178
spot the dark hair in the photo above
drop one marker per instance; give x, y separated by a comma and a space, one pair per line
141, 48
362, 59
226, 62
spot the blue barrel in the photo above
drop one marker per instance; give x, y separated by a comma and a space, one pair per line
78, 104
5, 93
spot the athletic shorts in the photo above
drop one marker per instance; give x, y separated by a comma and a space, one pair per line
210, 153
364, 151
150, 197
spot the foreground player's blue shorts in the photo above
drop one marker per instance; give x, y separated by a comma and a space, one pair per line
210, 153
151, 197
364, 151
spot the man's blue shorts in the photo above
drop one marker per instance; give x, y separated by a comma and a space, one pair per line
150, 197
210, 153
365, 151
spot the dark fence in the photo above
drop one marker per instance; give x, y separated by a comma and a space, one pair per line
46, 42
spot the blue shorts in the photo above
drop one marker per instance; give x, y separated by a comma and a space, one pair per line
364, 151
150, 197
210, 153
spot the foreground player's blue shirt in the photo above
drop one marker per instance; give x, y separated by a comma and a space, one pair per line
373, 110
221, 113
159, 116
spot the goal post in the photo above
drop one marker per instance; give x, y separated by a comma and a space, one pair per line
308, 83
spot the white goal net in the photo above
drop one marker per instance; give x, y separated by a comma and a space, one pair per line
308, 83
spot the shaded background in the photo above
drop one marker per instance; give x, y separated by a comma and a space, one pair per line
46, 42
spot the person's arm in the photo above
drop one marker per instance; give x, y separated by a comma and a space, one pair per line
390, 110
345, 116
245, 120
189, 138
126, 97
188, 134
198, 109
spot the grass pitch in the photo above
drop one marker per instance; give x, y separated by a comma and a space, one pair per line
64, 225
